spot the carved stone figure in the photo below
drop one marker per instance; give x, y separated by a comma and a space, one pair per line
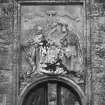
72, 51
32, 48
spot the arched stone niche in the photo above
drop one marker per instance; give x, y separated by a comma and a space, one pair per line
61, 79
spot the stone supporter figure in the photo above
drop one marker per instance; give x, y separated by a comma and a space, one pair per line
32, 50
72, 52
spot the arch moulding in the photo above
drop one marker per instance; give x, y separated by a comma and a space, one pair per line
61, 79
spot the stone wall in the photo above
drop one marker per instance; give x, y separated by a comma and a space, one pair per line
97, 16
6, 43
96, 68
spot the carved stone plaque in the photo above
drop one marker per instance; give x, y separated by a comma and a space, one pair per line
52, 40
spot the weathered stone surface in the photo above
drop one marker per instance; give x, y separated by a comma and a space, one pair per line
99, 99
9, 55
47, 17
98, 60
6, 43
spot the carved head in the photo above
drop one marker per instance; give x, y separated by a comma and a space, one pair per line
38, 34
38, 30
64, 27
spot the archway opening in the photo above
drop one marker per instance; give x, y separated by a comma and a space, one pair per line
52, 92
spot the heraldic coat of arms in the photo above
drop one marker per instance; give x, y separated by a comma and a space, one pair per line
54, 49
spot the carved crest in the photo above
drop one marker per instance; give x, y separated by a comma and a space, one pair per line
54, 50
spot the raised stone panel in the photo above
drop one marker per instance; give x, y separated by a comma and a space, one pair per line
9, 52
